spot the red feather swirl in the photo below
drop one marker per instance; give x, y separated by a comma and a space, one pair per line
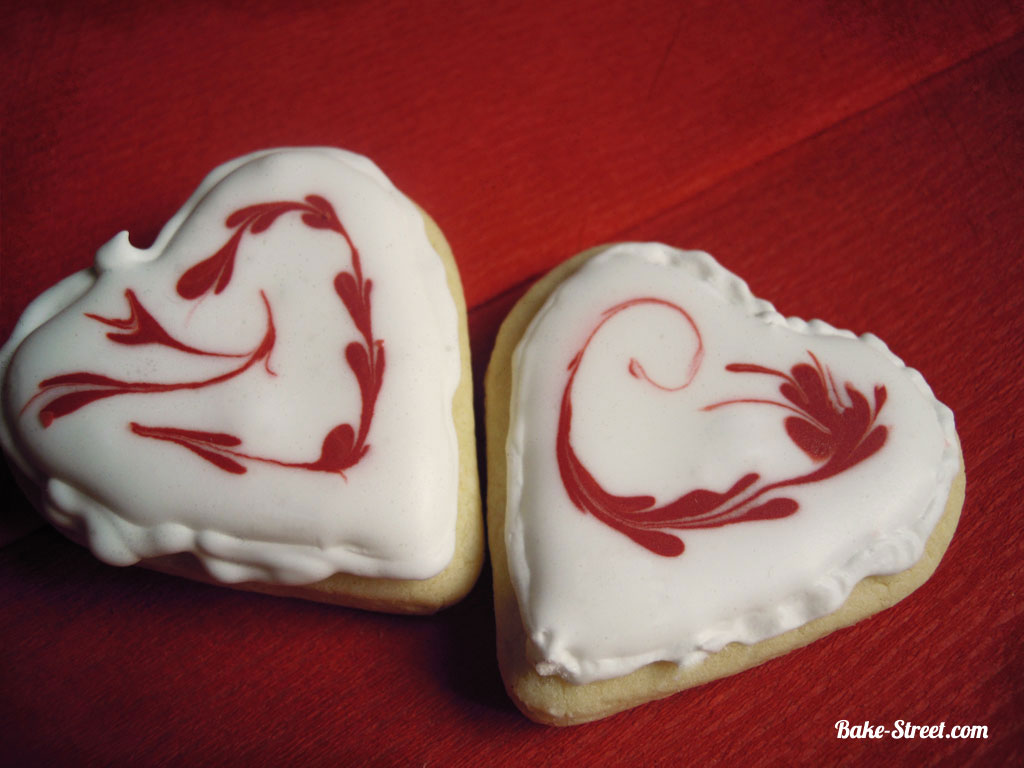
832, 434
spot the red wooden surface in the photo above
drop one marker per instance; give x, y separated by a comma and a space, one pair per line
857, 161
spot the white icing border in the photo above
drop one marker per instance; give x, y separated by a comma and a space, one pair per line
897, 551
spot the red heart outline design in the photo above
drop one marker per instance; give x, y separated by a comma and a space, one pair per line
342, 447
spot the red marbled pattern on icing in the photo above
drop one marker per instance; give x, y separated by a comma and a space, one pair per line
342, 447
832, 434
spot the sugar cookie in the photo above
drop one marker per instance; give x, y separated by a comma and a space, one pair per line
275, 395
684, 484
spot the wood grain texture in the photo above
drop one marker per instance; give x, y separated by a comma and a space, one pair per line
862, 162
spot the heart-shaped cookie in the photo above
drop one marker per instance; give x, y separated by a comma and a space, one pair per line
278, 389
683, 483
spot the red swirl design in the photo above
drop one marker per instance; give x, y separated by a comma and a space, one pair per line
342, 447
835, 435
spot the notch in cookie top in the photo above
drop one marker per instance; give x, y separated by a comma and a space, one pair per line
684, 483
276, 394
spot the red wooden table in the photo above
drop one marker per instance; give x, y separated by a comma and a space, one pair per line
861, 161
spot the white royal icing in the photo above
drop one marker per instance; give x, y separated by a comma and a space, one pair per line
597, 604
236, 470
